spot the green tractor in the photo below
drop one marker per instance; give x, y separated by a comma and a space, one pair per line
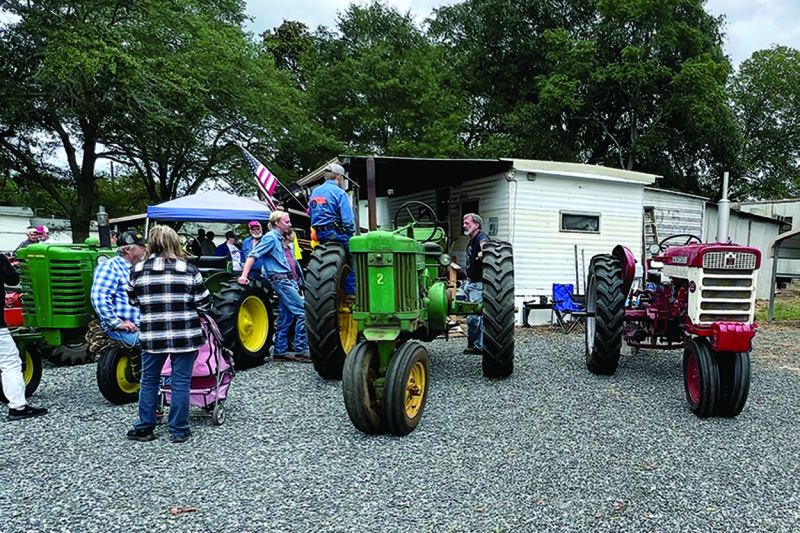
402, 300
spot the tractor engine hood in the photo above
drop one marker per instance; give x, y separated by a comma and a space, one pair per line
712, 255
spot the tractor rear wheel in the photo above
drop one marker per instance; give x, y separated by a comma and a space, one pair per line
700, 377
332, 332
406, 388
605, 306
361, 369
244, 316
734, 382
72, 352
31, 369
498, 310
119, 371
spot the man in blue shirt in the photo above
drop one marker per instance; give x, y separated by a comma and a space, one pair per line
278, 272
332, 215
119, 318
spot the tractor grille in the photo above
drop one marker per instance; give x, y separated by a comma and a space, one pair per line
362, 281
730, 260
405, 290
28, 303
727, 293
69, 296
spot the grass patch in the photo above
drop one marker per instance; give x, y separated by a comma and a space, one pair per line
785, 309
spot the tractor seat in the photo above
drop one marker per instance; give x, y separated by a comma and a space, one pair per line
433, 248
209, 261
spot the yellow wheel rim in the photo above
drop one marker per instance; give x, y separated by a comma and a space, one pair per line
27, 369
415, 389
253, 324
348, 328
125, 384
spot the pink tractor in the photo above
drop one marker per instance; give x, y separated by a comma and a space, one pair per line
696, 296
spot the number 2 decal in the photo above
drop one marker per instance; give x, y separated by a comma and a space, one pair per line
380, 279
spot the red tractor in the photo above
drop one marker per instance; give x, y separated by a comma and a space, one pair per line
699, 297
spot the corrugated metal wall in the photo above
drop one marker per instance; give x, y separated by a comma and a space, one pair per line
676, 213
782, 209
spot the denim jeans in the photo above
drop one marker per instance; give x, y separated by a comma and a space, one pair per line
474, 292
182, 365
131, 340
11, 368
290, 305
331, 235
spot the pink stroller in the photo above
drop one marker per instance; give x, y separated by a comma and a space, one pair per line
211, 376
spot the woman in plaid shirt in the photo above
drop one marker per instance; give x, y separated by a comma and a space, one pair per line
169, 292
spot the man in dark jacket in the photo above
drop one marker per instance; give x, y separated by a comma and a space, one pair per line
10, 362
473, 288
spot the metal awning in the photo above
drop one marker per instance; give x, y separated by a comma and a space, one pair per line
784, 246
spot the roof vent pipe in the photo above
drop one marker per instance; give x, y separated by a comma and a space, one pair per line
723, 212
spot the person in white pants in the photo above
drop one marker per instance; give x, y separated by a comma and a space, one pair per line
10, 362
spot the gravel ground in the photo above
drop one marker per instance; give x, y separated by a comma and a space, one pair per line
553, 448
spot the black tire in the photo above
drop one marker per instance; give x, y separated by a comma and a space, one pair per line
605, 304
119, 371
332, 332
361, 369
244, 316
700, 377
404, 396
218, 413
70, 353
734, 382
498, 310
31, 369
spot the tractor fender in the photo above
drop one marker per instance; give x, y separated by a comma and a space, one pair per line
628, 264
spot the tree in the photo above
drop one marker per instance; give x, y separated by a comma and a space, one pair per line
607, 82
765, 95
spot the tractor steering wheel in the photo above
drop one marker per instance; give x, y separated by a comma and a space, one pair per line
433, 223
689, 238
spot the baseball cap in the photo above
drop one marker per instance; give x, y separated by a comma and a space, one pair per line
254, 223
130, 237
42, 229
336, 169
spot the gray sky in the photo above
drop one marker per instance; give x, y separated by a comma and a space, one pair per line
751, 24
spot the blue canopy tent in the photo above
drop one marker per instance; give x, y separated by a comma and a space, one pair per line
209, 206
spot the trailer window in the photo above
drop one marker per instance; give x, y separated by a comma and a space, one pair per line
580, 222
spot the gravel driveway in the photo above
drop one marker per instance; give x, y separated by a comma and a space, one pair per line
553, 448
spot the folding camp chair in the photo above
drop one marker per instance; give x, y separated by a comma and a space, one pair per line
565, 309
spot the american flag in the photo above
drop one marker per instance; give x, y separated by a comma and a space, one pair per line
265, 180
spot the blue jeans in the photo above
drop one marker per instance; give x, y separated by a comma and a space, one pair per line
131, 340
182, 365
474, 292
290, 305
332, 235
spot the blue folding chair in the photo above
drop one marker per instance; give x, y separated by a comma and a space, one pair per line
566, 310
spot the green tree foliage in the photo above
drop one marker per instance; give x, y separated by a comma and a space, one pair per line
380, 86
636, 84
765, 96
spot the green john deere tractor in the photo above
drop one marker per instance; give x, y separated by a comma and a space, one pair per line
402, 299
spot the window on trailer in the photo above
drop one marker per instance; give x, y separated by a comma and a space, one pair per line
580, 222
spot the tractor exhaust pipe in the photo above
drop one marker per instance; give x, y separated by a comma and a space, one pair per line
723, 212
102, 228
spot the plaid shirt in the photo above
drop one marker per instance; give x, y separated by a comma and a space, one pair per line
169, 293
109, 293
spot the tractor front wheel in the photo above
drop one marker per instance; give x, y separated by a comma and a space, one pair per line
31, 370
244, 316
406, 388
700, 377
498, 310
605, 307
361, 399
734, 382
332, 332
119, 371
